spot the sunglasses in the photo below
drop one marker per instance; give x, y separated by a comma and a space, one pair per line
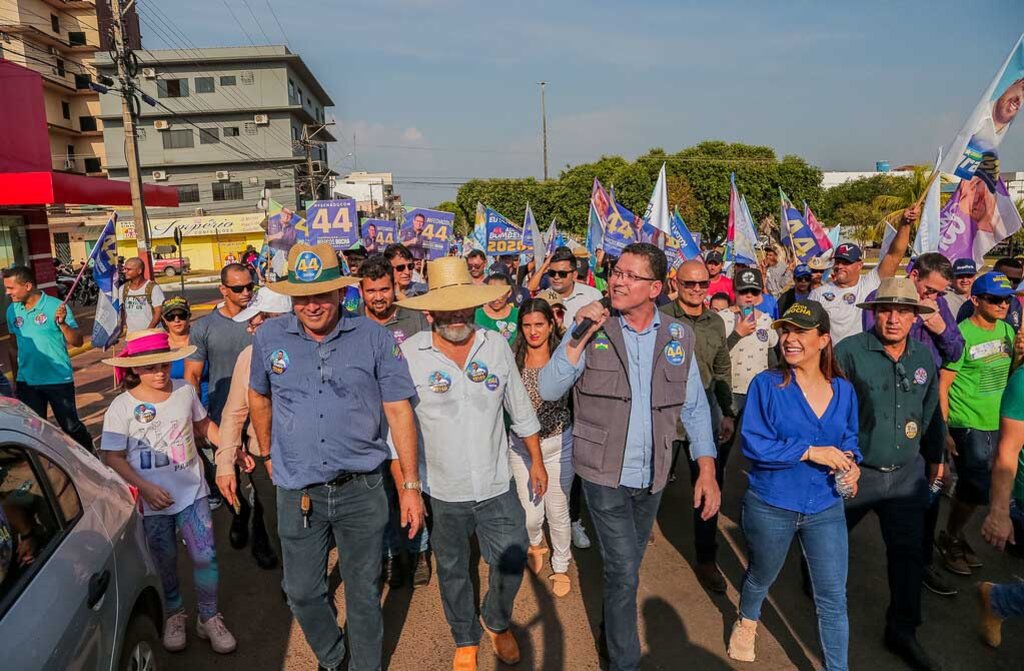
749, 292
401, 267
995, 300
176, 317
901, 372
695, 284
561, 273
241, 288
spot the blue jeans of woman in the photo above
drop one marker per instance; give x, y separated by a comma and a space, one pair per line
769, 531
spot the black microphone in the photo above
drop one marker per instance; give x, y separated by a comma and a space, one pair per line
584, 326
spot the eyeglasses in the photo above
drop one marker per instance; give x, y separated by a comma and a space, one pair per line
475, 266
561, 273
402, 267
176, 317
995, 300
936, 293
695, 284
901, 373
630, 277
241, 288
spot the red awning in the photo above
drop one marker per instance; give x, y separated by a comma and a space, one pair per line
60, 188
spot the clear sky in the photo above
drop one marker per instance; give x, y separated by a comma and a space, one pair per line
439, 91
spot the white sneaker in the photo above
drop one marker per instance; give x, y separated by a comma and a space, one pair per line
214, 630
579, 536
174, 632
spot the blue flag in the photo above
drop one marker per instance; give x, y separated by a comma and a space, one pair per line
688, 247
796, 232
107, 328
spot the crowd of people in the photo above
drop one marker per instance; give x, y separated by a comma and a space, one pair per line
407, 406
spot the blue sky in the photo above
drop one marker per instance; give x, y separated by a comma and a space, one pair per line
438, 91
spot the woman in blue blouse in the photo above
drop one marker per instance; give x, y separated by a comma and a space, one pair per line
800, 435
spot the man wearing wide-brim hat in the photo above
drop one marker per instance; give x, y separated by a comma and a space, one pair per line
901, 438
321, 384
465, 379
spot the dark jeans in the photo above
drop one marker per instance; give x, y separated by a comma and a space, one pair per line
623, 518
500, 527
355, 514
576, 499
396, 538
61, 399
899, 499
705, 531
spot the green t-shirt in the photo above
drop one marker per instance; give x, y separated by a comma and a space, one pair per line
981, 374
1013, 408
506, 327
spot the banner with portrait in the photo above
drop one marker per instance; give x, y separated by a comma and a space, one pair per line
377, 234
332, 221
427, 233
503, 237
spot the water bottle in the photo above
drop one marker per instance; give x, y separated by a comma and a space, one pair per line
843, 488
934, 491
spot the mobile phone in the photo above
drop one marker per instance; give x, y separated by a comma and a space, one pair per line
747, 311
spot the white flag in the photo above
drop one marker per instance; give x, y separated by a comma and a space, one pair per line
927, 239
657, 213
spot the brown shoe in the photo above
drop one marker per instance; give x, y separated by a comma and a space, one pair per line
710, 577
952, 552
505, 646
535, 558
465, 658
990, 625
741, 640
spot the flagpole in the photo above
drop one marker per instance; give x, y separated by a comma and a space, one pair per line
81, 272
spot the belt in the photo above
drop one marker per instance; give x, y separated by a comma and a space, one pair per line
341, 479
883, 469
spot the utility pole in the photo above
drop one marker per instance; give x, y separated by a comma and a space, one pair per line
544, 128
126, 64
312, 179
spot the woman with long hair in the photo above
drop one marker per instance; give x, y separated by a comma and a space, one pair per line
538, 335
800, 434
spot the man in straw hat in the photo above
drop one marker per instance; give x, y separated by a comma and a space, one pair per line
633, 375
321, 384
465, 378
900, 432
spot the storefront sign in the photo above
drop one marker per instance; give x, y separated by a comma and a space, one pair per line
191, 227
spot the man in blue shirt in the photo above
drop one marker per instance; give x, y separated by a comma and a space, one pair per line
322, 384
43, 329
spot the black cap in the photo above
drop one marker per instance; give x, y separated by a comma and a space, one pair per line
714, 256
748, 278
805, 314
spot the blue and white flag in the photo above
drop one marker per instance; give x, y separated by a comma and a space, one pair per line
553, 238
657, 214
532, 240
107, 328
595, 235
689, 249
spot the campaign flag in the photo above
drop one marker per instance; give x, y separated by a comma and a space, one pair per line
427, 233
106, 328
927, 239
681, 241
617, 231
817, 230
986, 127
805, 241
554, 239
334, 222
377, 234
741, 237
532, 240
595, 235
642, 231
657, 215
833, 235
478, 238
503, 237
979, 216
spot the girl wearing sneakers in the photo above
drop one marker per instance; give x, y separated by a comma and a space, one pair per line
149, 440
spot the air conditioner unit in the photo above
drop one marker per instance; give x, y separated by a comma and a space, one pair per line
159, 175
161, 124
318, 166
200, 211
262, 119
223, 175
254, 181
149, 73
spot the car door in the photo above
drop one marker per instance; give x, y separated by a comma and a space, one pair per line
58, 599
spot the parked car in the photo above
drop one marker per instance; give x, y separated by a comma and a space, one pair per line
170, 265
78, 589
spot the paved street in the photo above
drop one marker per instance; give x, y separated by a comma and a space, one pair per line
682, 625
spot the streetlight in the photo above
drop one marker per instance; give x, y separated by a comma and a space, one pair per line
544, 128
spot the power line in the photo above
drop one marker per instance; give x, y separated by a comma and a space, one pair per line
278, 22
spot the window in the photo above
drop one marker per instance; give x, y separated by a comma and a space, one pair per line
291, 90
76, 39
272, 184
227, 191
54, 23
231, 131
87, 123
71, 154
178, 139
172, 88
61, 490
295, 133
188, 193
299, 94
248, 78
93, 165
209, 136
82, 81
227, 80
205, 85
65, 109
60, 68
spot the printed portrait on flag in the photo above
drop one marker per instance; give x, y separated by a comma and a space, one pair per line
281, 229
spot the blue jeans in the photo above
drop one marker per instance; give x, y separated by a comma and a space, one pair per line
1008, 599
356, 514
500, 527
396, 538
623, 518
769, 532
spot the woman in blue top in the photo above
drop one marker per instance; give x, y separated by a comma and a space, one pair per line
800, 434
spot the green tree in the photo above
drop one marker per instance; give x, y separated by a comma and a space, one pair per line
859, 220
460, 224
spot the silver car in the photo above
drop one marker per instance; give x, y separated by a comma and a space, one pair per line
78, 589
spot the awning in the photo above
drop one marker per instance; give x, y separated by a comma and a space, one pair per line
61, 188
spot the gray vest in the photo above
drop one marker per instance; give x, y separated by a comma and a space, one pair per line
602, 399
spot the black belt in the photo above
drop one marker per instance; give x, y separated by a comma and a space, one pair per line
884, 469
341, 479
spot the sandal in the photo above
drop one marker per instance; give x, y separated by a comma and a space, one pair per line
561, 585
535, 558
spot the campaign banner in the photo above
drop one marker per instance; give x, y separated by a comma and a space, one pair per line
377, 234
741, 235
106, 328
685, 244
986, 127
804, 241
979, 216
595, 235
335, 222
427, 233
617, 232
533, 242
283, 228
503, 237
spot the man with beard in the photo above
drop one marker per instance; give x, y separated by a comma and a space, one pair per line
466, 380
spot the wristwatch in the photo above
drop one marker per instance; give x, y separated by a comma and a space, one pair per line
413, 484
262, 458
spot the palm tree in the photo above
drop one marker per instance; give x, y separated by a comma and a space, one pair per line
890, 207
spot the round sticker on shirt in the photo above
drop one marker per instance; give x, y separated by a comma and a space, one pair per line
507, 329
18, 321
308, 267
40, 319
439, 382
476, 371
491, 382
849, 299
145, 413
674, 352
676, 331
399, 336
279, 362
920, 376
762, 335
829, 296
910, 430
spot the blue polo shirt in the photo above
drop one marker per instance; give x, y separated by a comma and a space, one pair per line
327, 412
42, 352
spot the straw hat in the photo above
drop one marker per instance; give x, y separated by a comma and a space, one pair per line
820, 262
312, 269
148, 347
897, 291
452, 288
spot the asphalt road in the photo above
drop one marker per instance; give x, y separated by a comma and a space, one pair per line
682, 626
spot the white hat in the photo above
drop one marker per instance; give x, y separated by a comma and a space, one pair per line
265, 300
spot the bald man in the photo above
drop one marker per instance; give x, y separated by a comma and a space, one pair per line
141, 300
712, 352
